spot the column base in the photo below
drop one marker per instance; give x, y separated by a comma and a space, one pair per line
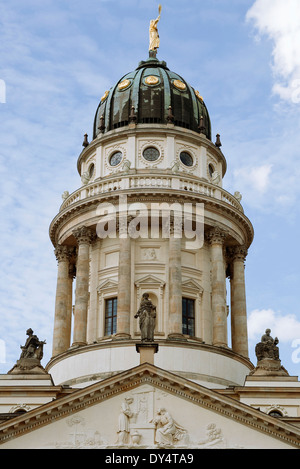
78, 344
176, 336
147, 351
122, 336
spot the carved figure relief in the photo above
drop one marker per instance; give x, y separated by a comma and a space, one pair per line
125, 415
149, 254
214, 437
167, 431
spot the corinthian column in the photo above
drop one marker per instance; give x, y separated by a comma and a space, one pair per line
175, 281
239, 334
63, 308
84, 237
219, 309
124, 281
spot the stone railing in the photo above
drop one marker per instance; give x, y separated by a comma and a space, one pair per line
172, 182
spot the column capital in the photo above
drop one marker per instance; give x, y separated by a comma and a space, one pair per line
176, 226
216, 235
123, 225
237, 252
63, 253
84, 235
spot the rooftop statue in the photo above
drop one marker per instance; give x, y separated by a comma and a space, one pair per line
147, 315
153, 33
31, 355
267, 353
33, 347
267, 347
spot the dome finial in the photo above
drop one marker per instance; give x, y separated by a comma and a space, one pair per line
154, 40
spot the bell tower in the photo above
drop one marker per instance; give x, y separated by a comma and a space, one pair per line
151, 177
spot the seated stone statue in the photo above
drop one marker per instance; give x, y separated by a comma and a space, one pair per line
267, 347
31, 355
33, 347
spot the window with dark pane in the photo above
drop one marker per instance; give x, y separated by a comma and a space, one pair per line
151, 154
186, 158
211, 170
111, 316
116, 158
188, 316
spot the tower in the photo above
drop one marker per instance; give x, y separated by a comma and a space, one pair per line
143, 357
151, 216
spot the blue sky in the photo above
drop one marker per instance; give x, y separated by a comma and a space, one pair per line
56, 60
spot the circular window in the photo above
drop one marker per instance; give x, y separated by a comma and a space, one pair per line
115, 158
151, 154
186, 159
211, 169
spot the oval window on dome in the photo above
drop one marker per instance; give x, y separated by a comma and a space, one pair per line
115, 158
91, 170
151, 154
186, 158
211, 170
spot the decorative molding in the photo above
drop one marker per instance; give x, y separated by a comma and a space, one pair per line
160, 380
216, 235
84, 235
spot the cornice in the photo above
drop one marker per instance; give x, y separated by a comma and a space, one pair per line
149, 196
191, 344
160, 379
146, 130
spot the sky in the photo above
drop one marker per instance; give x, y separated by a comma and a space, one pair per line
57, 58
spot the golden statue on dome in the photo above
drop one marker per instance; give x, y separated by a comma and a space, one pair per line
153, 33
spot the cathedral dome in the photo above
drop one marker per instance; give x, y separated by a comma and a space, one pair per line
152, 94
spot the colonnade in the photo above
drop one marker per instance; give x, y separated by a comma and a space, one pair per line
220, 257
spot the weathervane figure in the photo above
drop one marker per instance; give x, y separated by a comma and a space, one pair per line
153, 33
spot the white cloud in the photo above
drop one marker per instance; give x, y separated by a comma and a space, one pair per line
280, 21
253, 182
285, 327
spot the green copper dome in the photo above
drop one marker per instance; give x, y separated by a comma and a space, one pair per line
152, 94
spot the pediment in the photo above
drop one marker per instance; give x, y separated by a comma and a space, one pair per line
130, 410
150, 280
107, 285
191, 284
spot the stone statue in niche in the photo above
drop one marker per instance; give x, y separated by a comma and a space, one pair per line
167, 431
147, 316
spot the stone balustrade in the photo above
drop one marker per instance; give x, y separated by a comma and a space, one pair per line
170, 182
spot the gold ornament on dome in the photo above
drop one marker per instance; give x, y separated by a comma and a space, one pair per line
124, 84
104, 96
151, 80
179, 85
198, 95
154, 40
